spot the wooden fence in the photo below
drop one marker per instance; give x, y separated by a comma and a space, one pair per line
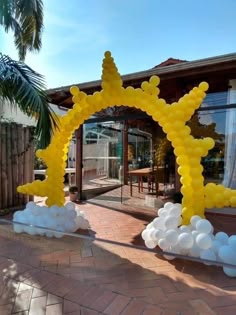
16, 163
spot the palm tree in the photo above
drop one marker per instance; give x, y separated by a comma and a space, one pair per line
25, 19
19, 84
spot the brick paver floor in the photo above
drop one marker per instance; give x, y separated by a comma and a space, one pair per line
76, 276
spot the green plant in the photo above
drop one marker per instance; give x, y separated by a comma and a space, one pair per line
73, 189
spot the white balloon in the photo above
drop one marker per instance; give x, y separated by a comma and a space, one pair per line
36, 211
144, 234
203, 226
32, 230
163, 213
149, 226
17, 215
159, 211
53, 211
150, 244
158, 223
79, 220
152, 234
167, 256
194, 251
208, 254
195, 234
185, 240
222, 237
168, 205
30, 205
203, 241
231, 272
227, 254
178, 205
72, 214
18, 228
185, 229
69, 226
62, 211
49, 234
175, 211
172, 237
163, 244
159, 234
70, 206
84, 224
175, 249
155, 223
29, 218
81, 213
44, 210
171, 222
216, 246
23, 219
232, 242
58, 234
194, 219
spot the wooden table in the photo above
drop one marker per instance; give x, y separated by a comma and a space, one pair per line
69, 171
150, 173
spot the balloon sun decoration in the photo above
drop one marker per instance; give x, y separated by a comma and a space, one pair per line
171, 117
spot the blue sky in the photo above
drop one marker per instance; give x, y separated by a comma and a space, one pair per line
139, 33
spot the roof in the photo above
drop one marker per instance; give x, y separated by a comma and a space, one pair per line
169, 69
169, 62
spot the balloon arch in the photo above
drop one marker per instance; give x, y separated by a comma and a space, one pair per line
171, 117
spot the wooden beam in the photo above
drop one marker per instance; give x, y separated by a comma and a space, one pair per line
79, 161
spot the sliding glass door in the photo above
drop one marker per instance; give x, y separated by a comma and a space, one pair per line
102, 158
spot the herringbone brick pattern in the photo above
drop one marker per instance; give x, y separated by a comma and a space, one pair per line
76, 276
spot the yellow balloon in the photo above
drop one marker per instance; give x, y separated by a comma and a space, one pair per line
204, 86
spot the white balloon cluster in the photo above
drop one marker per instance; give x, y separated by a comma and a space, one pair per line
195, 240
59, 219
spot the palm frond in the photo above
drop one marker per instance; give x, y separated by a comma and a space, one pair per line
25, 19
22, 85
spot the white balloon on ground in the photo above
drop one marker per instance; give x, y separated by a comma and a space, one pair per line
70, 206
227, 254
203, 241
222, 237
232, 242
172, 236
195, 240
36, 218
195, 251
194, 220
168, 205
185, 228
171, 222
203, 226
150, 244
216, 246
185, 240
231, 272
208, 254
163, 244
175, 211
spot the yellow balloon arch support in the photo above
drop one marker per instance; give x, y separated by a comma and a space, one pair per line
171, 117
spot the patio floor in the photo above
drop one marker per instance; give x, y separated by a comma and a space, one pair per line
76, 276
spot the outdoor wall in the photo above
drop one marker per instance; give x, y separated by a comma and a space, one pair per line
12, 113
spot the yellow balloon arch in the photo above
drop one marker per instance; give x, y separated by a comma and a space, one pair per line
171, 117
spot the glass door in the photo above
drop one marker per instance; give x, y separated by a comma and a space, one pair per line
102, 160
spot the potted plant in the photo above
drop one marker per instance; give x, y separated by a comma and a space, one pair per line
73, 193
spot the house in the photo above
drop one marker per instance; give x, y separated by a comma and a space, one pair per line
117, 140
